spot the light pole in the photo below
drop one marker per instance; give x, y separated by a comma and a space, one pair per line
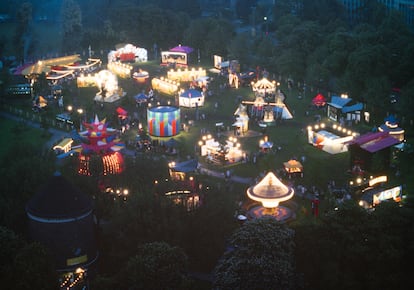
265, 21
80, 112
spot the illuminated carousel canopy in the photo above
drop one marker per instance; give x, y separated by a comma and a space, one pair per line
270, 191
391, 126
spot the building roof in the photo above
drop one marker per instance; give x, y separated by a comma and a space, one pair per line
353, 108
59, 199
373, 142
180, 48
339, 102
186, 166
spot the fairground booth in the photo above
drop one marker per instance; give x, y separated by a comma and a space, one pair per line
121, 69
177, 56
319, 101
373, 196
141, 98
375, 190
344, 108
372, 151
127, 53
293, 168
265, 145
165, 86
191, 98
241, 123
224, 67
183, 171
221, 153
268, 106
186, 75
182, 187
330, 137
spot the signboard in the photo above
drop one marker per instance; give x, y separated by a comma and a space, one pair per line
395, 193
77, 260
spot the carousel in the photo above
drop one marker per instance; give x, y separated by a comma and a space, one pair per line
109, 91
391, 126
270, 192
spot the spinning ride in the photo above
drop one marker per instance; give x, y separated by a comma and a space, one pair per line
100, 141
270, 191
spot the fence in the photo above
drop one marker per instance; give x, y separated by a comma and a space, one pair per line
35, 117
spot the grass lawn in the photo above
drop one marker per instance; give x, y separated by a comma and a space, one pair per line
319, 168
13, 131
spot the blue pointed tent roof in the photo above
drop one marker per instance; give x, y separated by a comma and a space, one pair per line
191, 93
339, 102
391, 119
141, 98
353, 108
186, 166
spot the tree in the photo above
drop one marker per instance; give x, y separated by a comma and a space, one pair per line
25, 265
149, 24
156, 266
209, 35
323, 11
22, 37
20, 178
244, 9
71, 26
10, 244
347, 248
34, 269
260, 256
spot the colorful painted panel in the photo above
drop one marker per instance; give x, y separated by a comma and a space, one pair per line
163, 121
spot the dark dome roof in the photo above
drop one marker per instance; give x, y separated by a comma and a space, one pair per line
59, 199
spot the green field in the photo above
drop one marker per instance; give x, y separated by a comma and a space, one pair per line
13, 131
289, 135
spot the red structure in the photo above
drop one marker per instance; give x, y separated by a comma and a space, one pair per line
101, 141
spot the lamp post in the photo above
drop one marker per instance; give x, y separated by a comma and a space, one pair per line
265, 21
80, 112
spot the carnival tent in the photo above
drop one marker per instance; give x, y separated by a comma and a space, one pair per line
391, 126
340, 107
293, 166
319, 100
191, 98
141, 98
184, 49
186, 166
